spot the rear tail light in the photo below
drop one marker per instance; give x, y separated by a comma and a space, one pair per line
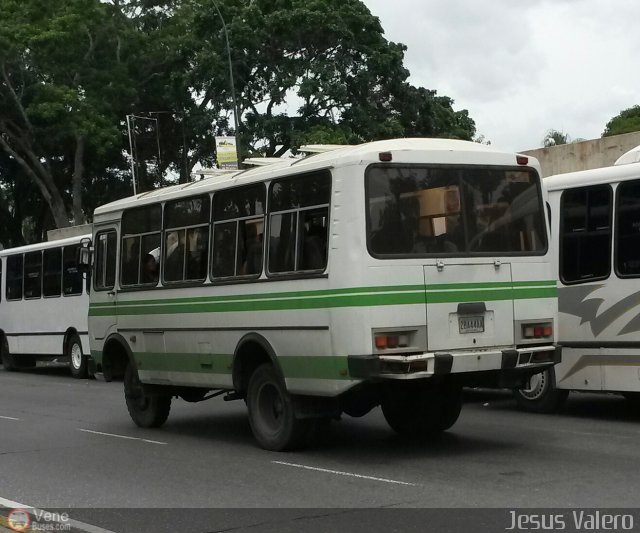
537, 331
391, 340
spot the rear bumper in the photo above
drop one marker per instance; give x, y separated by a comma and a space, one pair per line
507, 364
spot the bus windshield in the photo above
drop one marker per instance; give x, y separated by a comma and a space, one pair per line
445, 210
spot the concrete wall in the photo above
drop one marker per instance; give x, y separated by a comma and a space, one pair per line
596, 153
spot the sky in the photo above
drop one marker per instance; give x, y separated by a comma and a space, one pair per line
522, 67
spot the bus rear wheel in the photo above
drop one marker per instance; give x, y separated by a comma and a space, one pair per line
541, 396
146, 410
419, 409
271, 412
8, 361
77, 360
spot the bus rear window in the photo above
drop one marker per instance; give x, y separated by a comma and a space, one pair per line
415, 211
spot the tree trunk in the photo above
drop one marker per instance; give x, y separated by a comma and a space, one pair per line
51, 194
78, 176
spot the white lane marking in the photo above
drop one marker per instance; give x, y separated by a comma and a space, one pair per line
34, 511
349, 474
121, 436
11, 418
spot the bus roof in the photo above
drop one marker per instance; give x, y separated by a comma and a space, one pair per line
415, 150
44, 245
594, 176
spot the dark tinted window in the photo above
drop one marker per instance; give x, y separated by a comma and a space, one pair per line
628, 229
141, 246
71, 275
33, 275
238, 203
14, 277
301, 191
238, 232
105, 260
448, 210
585, 227
299, 223
186, 245
142, 220
189, 212
52, 280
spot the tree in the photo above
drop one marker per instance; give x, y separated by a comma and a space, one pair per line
555, 138
627, 121
305, 71
348, 81
60, 77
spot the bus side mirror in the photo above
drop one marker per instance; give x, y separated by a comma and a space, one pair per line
83, 258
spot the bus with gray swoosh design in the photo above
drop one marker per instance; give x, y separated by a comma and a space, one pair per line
595, 220
385, 274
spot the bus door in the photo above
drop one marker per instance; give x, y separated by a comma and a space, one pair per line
469, 305
104, 297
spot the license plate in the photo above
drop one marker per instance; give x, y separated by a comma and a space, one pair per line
471, 324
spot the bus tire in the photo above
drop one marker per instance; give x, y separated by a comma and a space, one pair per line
271, 412
419, 409
541, 396
78, 364
147, 411
8, 361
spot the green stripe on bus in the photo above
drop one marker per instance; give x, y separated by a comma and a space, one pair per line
293, 366
338, 292
467, 292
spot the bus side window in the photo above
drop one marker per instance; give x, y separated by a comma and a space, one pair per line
71, 275
33, 275
585, 233
238, 229
14, 277
105, 260
186, 240
628, 229
299, 223
141, 228
52, 277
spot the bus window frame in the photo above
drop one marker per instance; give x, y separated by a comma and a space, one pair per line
163, 248
296, 274
22, 279
616, 228
561, 235
82, 284
139, 236
95, 265
237, 278
24, 274
59, 248
538, 183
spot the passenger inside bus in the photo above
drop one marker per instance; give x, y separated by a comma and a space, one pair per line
150, 267
174, 260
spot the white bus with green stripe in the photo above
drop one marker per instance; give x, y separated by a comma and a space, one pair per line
386, 274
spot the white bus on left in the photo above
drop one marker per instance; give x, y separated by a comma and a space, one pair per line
43, 306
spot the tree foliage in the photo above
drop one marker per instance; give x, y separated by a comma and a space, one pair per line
627, 121
555, 138
305, 71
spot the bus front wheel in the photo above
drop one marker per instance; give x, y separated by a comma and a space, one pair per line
541, 395
146, 410
271, 412
420, 409
77, 360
